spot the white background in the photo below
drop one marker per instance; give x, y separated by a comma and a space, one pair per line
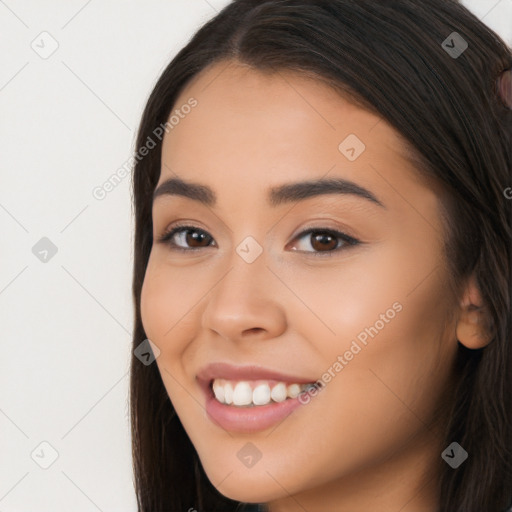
67, 123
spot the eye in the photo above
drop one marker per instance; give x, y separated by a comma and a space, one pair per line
321, 240
325, 240
179, 236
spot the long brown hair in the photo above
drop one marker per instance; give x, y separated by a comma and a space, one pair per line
388, 57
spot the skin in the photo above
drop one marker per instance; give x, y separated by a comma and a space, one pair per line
369, 439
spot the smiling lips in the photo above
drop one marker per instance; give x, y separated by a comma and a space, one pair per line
249, 398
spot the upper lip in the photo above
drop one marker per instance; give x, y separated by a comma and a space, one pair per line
228, 371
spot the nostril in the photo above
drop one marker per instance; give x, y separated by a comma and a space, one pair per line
254, 330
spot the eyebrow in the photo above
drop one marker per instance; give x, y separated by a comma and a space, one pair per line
287, 193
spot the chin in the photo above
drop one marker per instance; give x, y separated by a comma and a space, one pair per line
246, 486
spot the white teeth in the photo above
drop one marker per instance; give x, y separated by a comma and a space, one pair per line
242, 395
261, 395
279, 392
246, 393
228, 393
218, 390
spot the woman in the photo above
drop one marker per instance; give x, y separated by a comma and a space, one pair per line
322, 263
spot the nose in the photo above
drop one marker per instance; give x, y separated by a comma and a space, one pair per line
246, 303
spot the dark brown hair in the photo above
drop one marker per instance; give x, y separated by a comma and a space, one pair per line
389, 58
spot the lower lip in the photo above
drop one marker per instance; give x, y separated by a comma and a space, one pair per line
249, 419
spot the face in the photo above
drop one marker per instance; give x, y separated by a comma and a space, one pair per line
267, 286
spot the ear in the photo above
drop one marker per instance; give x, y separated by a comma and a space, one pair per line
471, 329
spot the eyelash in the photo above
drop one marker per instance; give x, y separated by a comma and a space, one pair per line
349, 241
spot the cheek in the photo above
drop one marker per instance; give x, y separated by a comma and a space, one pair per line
370, 290
154, 302
168, 300
385, 315
168, 297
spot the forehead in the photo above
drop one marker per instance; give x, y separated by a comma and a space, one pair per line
250, 126
279, 102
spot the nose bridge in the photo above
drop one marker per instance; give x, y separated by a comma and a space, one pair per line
246, 277
244, 298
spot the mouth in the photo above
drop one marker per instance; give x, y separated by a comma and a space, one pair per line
249, 398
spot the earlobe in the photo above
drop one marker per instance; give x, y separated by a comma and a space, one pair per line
472, 324
471, 329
